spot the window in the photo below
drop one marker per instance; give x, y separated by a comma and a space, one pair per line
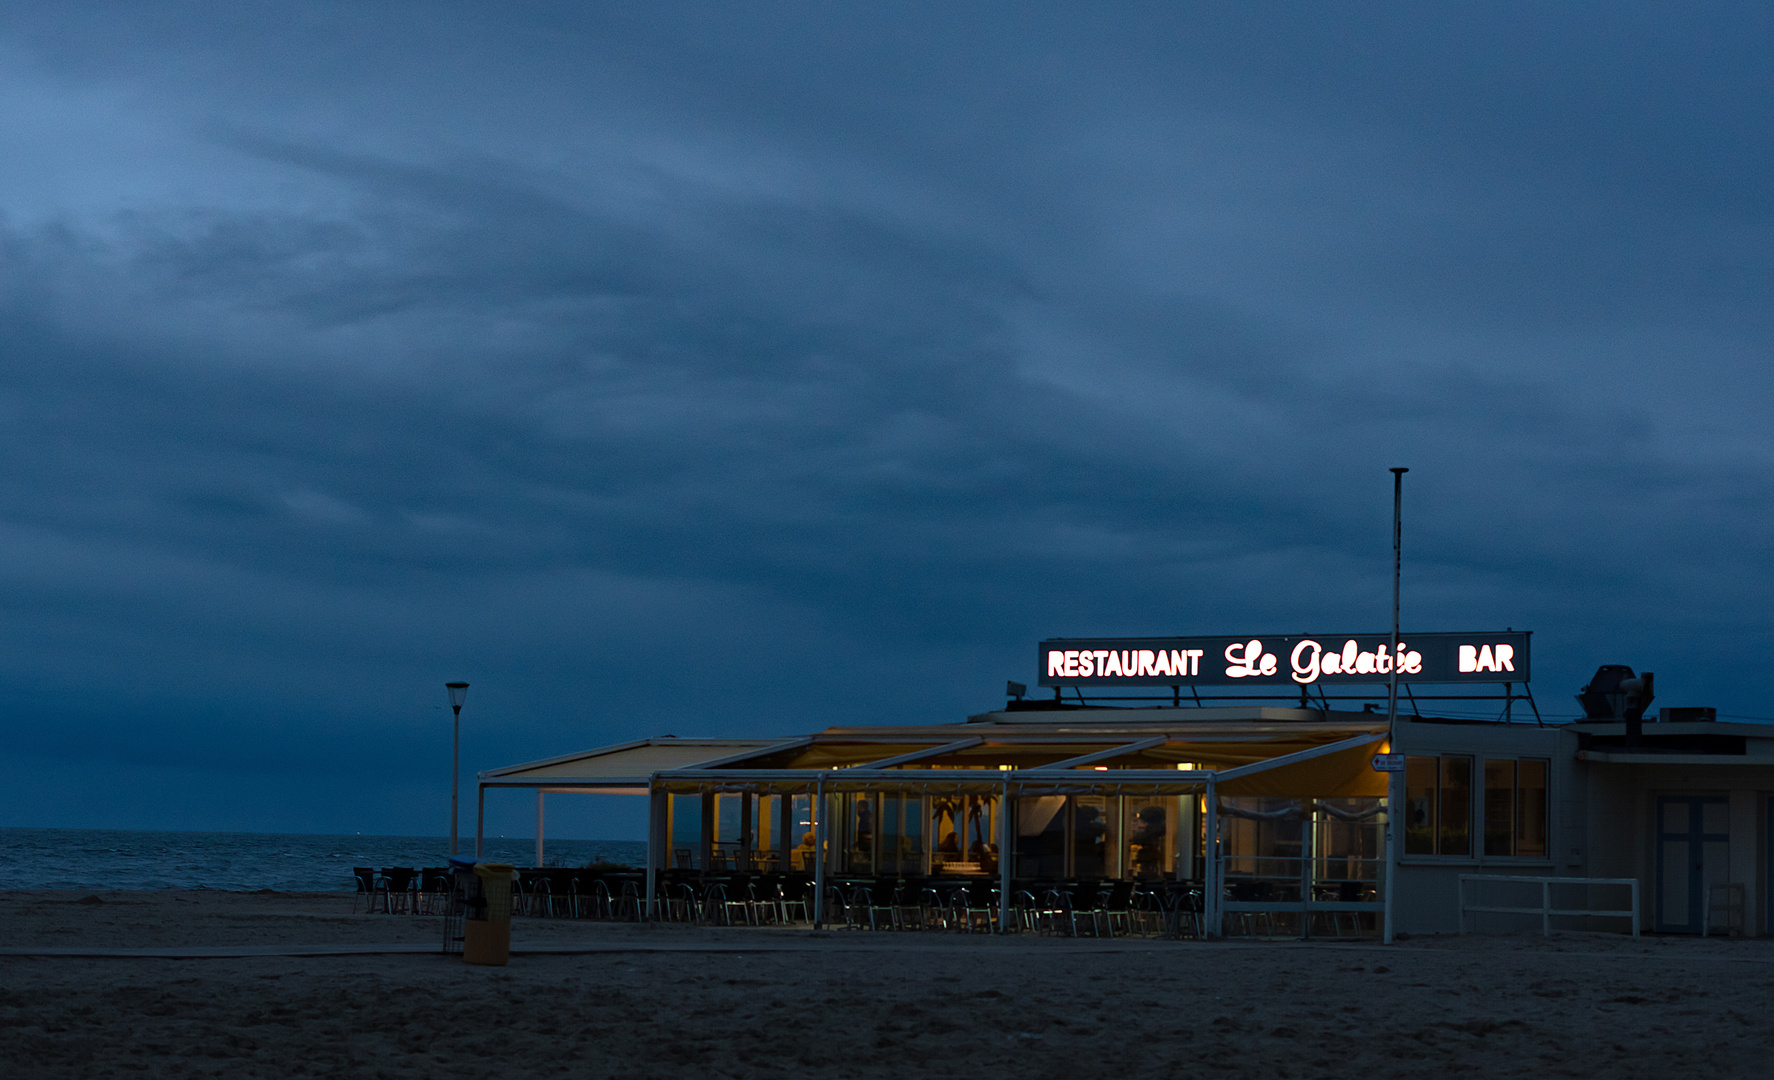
1515, 807
1438, 805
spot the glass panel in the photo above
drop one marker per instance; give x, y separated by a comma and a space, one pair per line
982, 832
1093, 836
1672, 890
859, 834
1149, 852
1499, 807
945, 827
1456, 806
726, 838
1419, 805
966, 833
766, 828
1675, 817
911, 844
1530, 809
801, 857
686, 832
1715, 817
1041, 837
1262, 841
1350, 849
888, 829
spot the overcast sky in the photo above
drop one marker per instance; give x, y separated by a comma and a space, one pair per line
751, 368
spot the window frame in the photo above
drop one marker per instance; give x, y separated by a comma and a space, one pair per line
1478, 800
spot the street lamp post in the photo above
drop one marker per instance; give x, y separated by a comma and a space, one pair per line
458, 694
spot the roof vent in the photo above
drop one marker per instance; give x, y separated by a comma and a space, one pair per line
1615, 694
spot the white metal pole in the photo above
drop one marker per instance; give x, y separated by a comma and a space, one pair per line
538, 826
455, 774
656, 848
1005, 837
1212, 894
819, 852
1394, 797
480, 817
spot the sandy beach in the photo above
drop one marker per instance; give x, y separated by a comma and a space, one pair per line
673, 1001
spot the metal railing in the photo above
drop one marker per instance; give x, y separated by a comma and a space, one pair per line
1546, 911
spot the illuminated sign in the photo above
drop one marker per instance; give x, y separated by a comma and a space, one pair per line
1288, 660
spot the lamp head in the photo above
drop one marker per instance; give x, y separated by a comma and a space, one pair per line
458, 694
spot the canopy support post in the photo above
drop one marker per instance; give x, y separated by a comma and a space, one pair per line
819, 852
480, 817
1211, 895
1004, 838
656, 846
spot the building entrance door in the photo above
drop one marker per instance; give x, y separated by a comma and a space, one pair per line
1693, 851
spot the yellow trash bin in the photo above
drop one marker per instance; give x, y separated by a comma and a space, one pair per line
486, 928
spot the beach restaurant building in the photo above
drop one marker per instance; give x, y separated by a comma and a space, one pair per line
1250, 779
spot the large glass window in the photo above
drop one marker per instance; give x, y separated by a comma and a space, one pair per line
686, 832
1150, 853
1041, 837
1530, 808
1350, 849
1499, 807
801, 856
1420, 784
1438, 805
965, 830
1095, 839
1515, 807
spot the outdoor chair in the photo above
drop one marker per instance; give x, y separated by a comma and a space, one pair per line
838, 908
879, 896
789, 901
979, 907
1091, 909
736, 895
600, 903
1183, 913
908, 914
933, 912
760, 902
682, 904
396, 883
631, 906
1145, 911
365, 878
1058, 914
541, 895
1117, 907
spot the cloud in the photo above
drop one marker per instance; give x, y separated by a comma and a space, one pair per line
695, 372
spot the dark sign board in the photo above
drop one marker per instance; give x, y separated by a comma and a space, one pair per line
1288, 660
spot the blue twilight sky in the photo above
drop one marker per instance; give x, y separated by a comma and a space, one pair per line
749, 368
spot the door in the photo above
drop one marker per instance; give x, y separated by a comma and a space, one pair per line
1693, 851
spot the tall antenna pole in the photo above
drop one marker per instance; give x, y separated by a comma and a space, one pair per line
1394, 779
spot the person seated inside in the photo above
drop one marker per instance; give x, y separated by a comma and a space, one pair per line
803, 854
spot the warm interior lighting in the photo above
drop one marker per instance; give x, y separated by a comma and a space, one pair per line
1101, 768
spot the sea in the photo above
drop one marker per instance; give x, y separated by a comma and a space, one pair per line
285, 862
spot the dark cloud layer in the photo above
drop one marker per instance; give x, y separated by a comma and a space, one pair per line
717, 370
